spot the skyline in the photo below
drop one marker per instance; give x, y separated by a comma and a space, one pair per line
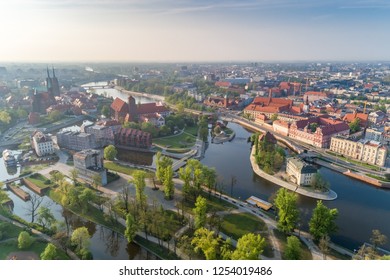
195, 31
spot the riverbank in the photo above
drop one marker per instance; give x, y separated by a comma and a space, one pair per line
143, 94
330, 195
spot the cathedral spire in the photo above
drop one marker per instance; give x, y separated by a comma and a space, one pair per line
48, 74
54, 74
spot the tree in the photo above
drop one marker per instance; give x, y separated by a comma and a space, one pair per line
45, 217
131, 228
33, 205
139, 183
105, 111
319, 182
205, 241
354, 125
288, 214
54, 116
200, 211
249, 247
5, 117
110, 152
56, 177
74, 174
149, 127
169, 187
50, 253
203, 133
324, 245
81, 239
24, 240
210, 177
274, 117
226, 249
377, 238
162, 163
322, 222
293, 249
96, 180
85, 197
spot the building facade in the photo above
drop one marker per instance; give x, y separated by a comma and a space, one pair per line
76, 140
130, 137
42, 144
90, 165
300, 172
368, 151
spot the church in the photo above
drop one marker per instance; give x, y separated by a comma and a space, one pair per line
40, 101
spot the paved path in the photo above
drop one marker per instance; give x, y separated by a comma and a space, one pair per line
331, 195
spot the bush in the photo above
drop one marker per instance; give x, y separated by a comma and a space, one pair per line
24, 240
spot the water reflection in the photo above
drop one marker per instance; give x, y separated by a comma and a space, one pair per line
136, 157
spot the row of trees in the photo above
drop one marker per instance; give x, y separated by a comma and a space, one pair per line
321, 224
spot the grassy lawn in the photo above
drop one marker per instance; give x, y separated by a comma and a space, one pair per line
39, 180
10, 230
183, 140
192, 130
236, 225
214, 204
92, 213
306, 255
369, 166
124, 169
37, 247
162, 252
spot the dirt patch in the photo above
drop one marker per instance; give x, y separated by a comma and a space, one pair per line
22, 256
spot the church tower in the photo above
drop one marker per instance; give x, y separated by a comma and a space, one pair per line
55, 85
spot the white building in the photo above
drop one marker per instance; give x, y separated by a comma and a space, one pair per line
375, 134
371, 152
42, 144
300, 172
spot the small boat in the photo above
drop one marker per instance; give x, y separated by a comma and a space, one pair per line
9, 158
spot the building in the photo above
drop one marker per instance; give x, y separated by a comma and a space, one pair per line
281, 127
317, 131
129, 137
76, 140
89, 164
300, 172
376, 117
368, 151
130, 112
312, 96
268, 106
375, 134
363, 118
40, 101
42, 144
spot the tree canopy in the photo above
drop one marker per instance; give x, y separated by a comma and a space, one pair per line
110, 152
323, 221
288, 214
249, 247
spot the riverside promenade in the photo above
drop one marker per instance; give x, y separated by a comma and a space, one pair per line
329, 195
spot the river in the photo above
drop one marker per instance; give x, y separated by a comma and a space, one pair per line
361, 207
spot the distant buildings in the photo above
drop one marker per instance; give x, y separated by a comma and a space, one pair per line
300, 172
268, 106
371, 152
76, 140
40, 101
90, 166
42, 144
103, 132
317, 131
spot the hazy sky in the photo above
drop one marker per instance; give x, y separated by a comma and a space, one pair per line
194, 30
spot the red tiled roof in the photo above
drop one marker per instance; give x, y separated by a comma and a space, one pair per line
284, 85
316, 93
222, 84
149, 108
118, 105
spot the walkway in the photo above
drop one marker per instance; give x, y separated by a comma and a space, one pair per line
330, 195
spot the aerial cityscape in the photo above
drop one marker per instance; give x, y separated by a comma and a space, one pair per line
167, 131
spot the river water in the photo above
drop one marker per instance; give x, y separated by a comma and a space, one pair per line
361, 207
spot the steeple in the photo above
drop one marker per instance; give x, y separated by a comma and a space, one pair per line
54, 74
48, 74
